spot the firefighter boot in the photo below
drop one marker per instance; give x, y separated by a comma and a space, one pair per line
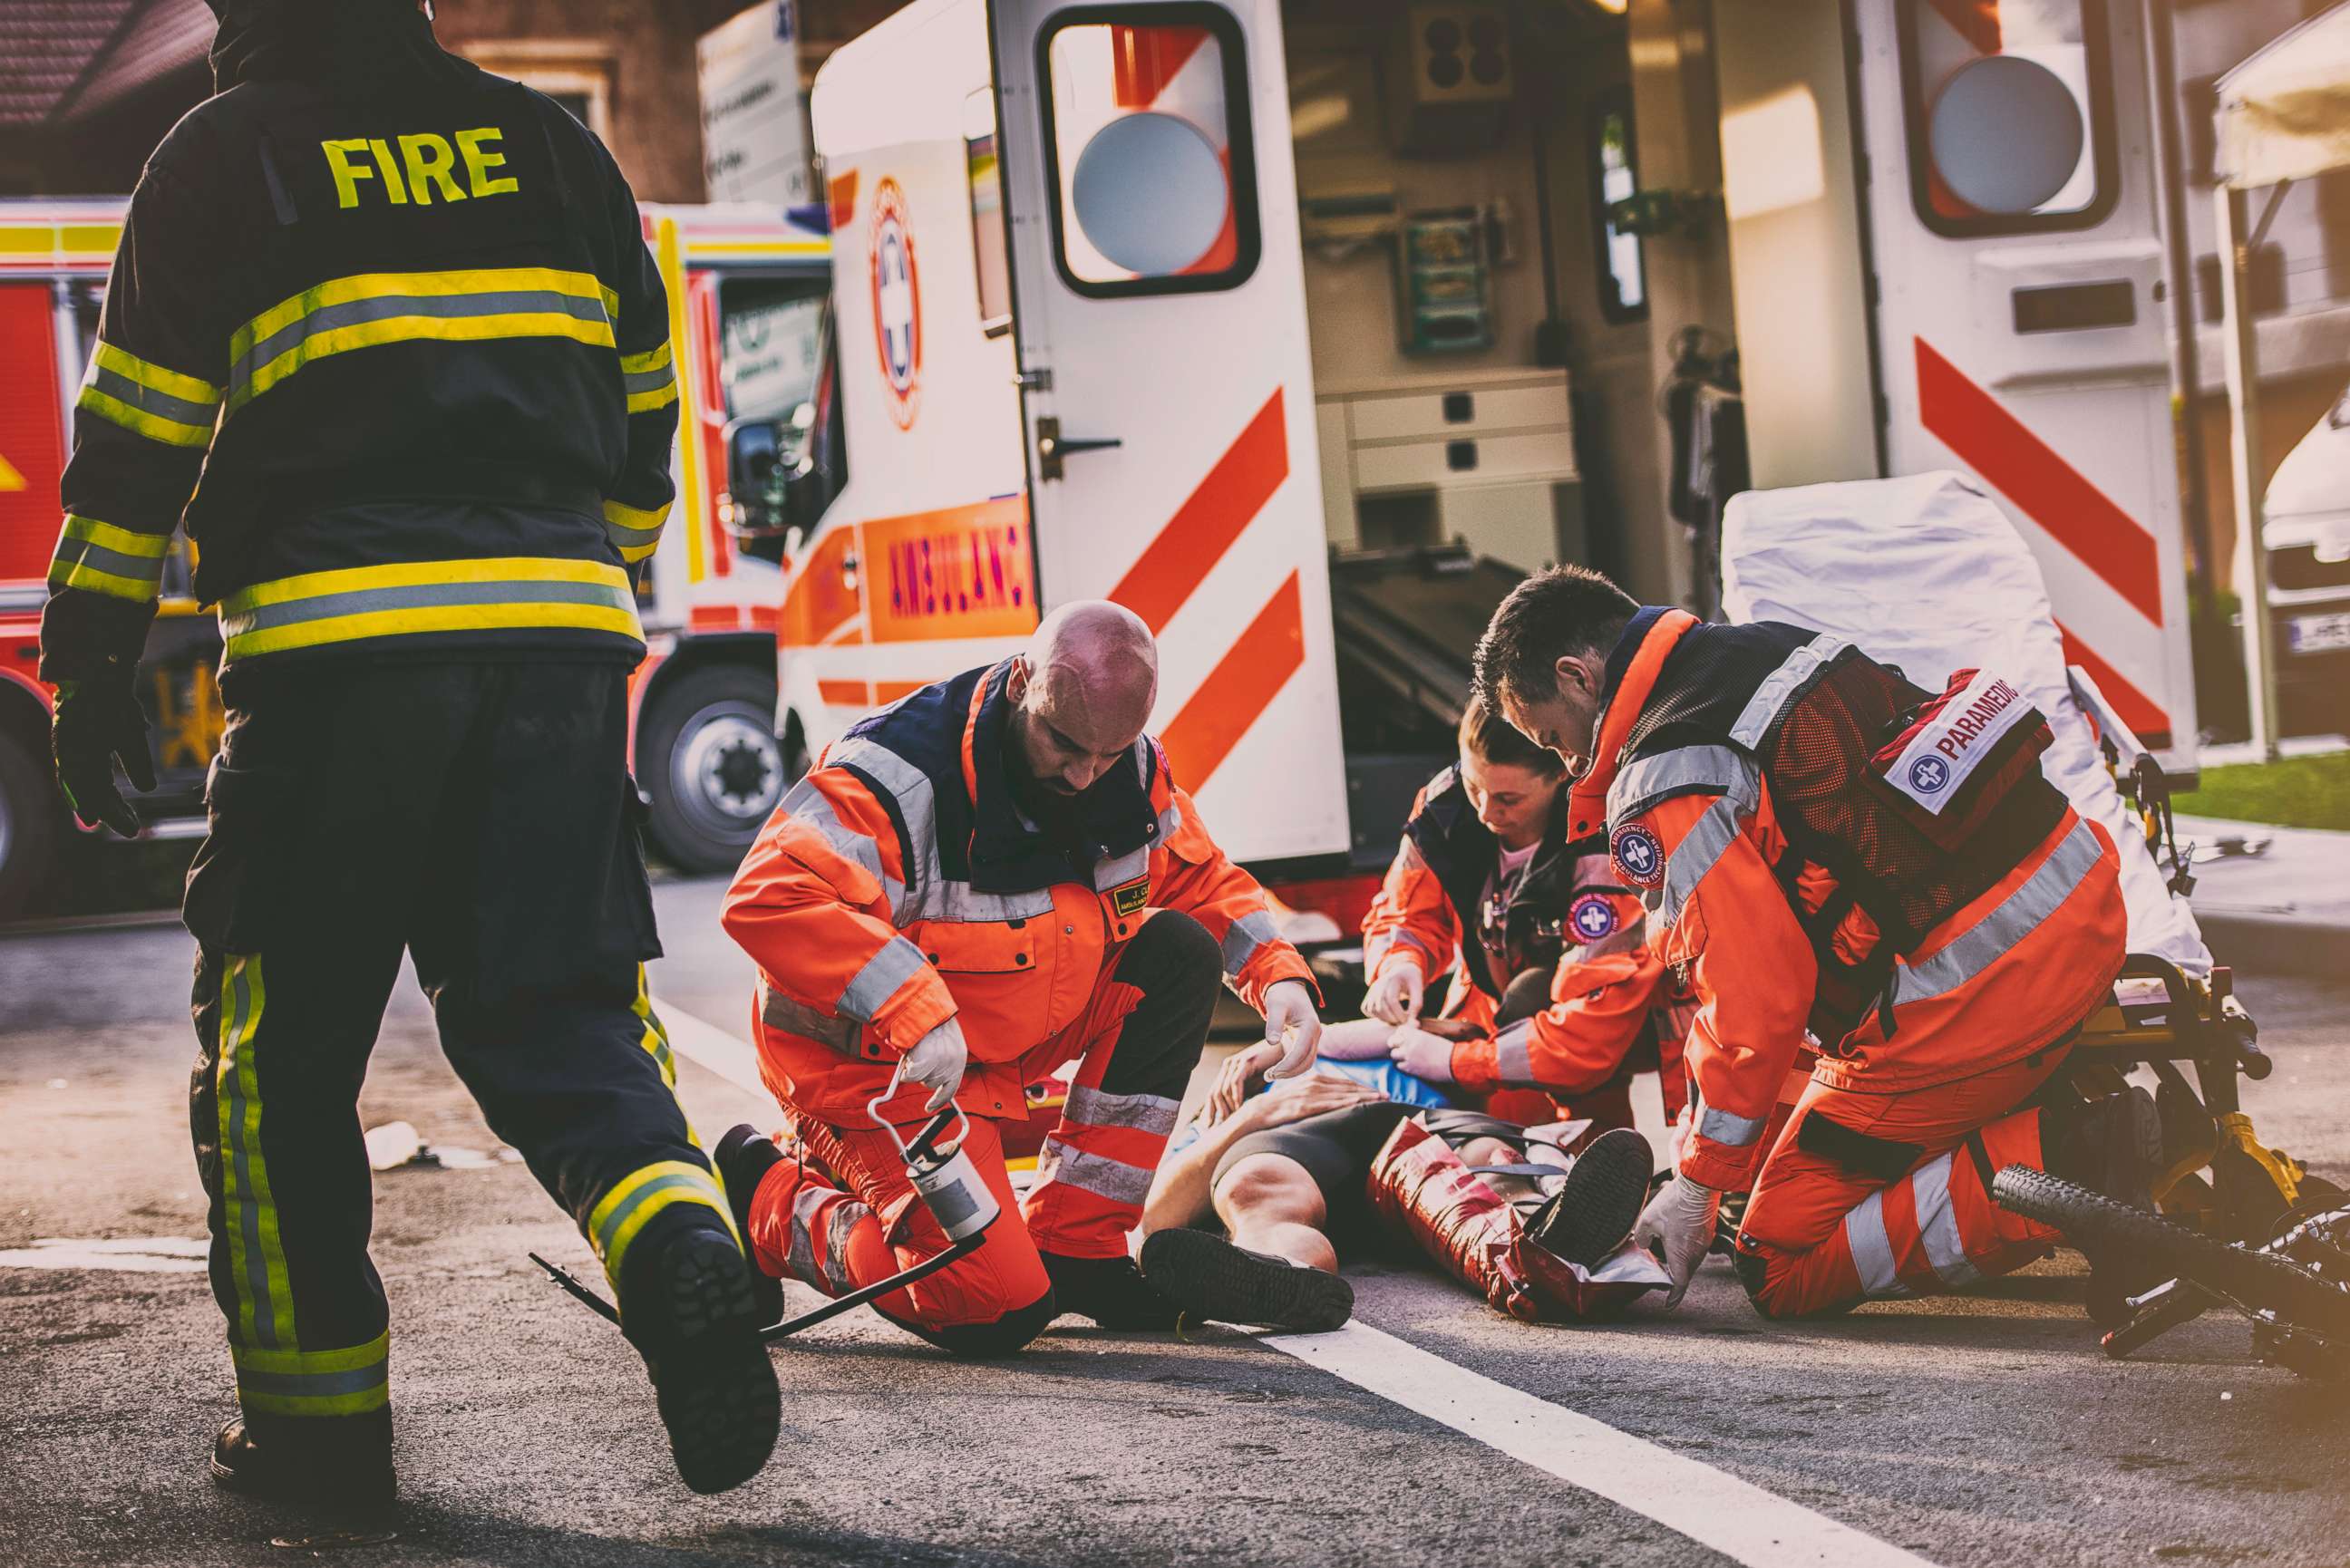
686, 1304
1110, 1291
339, 1463
1208, 1277
1595, 1208
744, 1158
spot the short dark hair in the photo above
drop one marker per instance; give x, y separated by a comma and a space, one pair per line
1496, 742
1553, 614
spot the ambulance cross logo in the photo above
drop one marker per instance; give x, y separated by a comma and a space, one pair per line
1640, 858
897, 303
1593, 918
1928, 776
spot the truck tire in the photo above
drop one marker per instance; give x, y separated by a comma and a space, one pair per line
709, 758
2253, 1279
29, 827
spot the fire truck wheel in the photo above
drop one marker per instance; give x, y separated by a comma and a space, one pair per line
709, 757
29, 826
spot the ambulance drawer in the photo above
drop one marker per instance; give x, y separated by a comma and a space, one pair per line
1465, 461
1463, 411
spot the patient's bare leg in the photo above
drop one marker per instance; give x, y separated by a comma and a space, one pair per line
1269, 1204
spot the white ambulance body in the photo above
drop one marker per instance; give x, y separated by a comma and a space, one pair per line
1084, 348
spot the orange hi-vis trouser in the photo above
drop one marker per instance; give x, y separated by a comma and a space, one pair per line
1821, 1234
846, 1216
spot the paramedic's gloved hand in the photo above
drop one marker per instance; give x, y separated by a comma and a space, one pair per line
1678, 1227
1395, 997
1289, 1010
97, 721
1422, 1054
937, 1061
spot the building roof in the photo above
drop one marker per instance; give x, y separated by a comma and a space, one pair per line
60, 59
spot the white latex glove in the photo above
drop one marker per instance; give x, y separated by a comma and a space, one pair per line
1422, 1054
1677, 1226
1395, 997
937, 1061
1289, 1010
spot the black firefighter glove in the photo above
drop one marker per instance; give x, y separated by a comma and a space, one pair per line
97, 721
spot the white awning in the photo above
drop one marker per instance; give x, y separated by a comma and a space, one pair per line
2284, 113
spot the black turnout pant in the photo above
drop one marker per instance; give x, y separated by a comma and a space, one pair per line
480, 817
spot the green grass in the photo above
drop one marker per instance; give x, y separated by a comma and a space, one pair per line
2295, 792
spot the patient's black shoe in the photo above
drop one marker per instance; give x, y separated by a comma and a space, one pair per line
744, 1158
1595, 1210
1209, 1277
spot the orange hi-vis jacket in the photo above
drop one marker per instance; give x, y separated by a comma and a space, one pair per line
1731, 881
1567, 909
898, 886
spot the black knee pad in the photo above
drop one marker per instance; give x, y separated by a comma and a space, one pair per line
1172, 949
1005, 1337
1750, 1274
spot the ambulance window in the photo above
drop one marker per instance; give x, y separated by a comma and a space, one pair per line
1623, 275
1146, 149
989, 255
2010, 112
770, 344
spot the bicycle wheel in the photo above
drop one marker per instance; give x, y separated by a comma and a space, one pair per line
2254, 1280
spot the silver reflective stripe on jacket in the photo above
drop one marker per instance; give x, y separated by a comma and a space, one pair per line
1117, 873
1685, 770
1248, 933
1513, 1063
806, 803
1095, 1173
1762, 709
1708, 839
2017, 916
870, 988
910, 787
1872, 1250
780, 1012
1725, 1128
1937, 1224
1147, 1113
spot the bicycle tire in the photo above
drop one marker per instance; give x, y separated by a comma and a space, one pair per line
2252, 1279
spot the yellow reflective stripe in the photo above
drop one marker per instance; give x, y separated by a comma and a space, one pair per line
501, 593
94, 580
383, 284
257, 1255
443, 618
408, 574
345, 1382
637, 519
122, 362
656, 1038
645, 402
154, 427
644, 1192
123, 541
638, 364
419, 328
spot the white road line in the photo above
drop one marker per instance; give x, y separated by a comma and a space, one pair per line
731, 1058
1711, 1507
123, 1254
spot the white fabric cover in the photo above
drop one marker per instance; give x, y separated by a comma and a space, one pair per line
2284, 112
1926, 573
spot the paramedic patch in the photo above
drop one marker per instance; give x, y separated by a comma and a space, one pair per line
1130, 899
1639, 858
1957, 735
1593, 917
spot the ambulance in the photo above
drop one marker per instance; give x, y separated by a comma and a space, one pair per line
746, 300
1302, 327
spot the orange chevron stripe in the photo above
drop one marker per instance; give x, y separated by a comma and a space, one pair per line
1244, 682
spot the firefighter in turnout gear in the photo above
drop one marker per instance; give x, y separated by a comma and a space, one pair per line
384, 336
984, 882
1825, 848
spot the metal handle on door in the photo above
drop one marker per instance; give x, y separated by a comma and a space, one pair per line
1052, 446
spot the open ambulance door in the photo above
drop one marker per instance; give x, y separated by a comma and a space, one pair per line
2020, 326
1158, 302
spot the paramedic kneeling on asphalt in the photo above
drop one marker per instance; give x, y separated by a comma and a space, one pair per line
1821, 844
992, 878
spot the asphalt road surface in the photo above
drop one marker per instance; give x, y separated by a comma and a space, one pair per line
1980, 1431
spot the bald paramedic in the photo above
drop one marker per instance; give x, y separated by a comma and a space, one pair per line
1823, 848
980, 884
